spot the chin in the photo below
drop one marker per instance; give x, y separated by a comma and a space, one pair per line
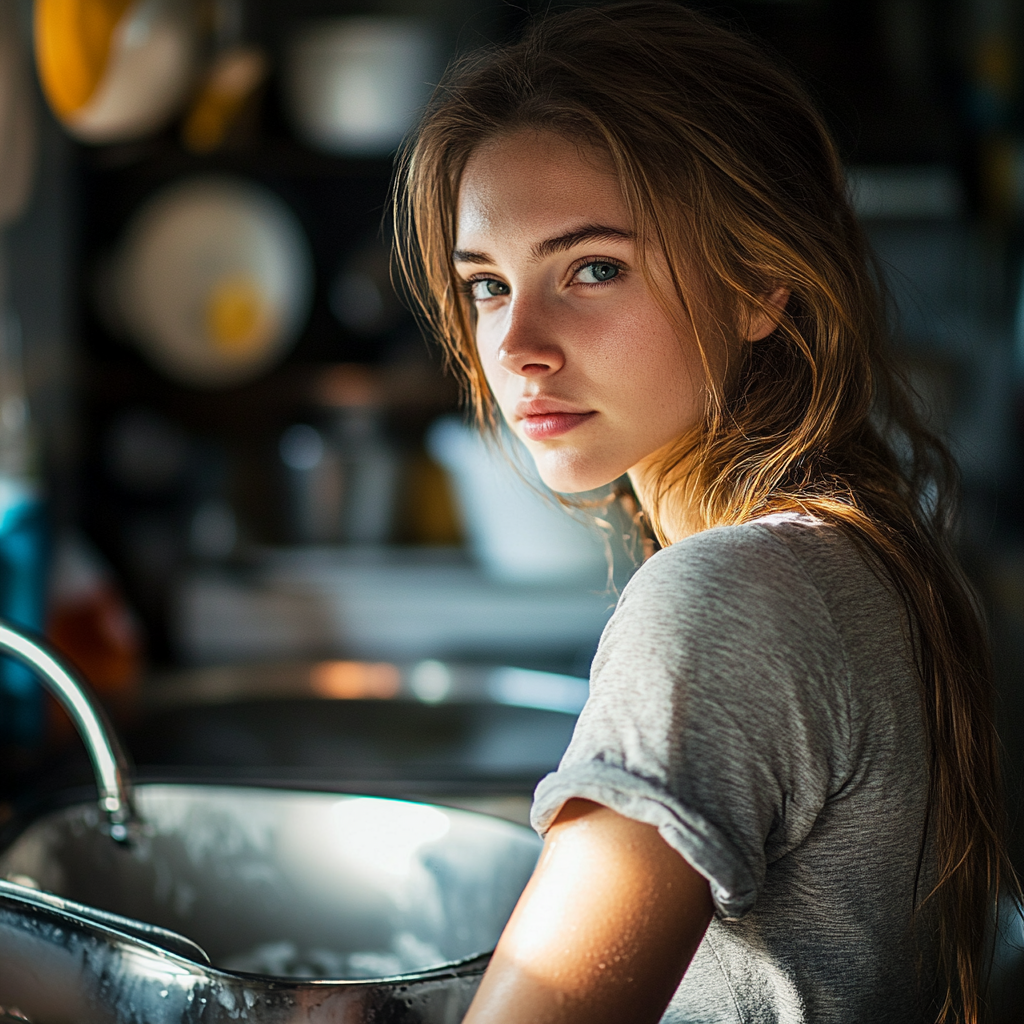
568, 473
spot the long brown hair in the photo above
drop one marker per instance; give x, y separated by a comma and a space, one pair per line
728, 170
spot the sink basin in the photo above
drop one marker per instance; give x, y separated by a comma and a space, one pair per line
308, 907
208, 903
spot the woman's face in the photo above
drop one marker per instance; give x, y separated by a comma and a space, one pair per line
587, 369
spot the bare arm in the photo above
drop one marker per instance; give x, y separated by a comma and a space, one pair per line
604, 930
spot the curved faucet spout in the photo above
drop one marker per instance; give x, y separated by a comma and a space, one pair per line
108, 758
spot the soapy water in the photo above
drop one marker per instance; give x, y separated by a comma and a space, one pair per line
286, 960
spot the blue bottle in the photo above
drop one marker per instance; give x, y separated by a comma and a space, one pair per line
23, 545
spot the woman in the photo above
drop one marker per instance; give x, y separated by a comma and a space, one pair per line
632, 236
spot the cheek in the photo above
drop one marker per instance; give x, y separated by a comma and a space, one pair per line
488, 339
647, 362
486, 348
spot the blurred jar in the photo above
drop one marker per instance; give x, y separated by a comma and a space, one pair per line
429, 512
313, 486
341, 479
92, 626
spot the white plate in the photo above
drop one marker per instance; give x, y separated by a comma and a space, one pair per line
213, 280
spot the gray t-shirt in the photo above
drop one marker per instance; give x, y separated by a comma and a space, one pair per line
754, 696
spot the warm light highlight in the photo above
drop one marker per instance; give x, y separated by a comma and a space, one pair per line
355, 680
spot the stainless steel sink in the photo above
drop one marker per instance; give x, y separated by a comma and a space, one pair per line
309, 906
214, 903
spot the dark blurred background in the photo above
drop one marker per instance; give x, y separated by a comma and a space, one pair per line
278, 479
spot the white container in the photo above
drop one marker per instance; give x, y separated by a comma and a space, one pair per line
356, 85
516, 527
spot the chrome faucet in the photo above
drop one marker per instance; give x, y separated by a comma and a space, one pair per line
108, 758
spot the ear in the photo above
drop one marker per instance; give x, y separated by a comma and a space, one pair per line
763, 322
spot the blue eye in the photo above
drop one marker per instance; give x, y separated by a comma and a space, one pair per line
597, 273
487, 288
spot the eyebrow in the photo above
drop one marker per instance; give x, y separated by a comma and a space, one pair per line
561, 243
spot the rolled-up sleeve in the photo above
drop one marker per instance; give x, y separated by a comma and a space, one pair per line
718, 711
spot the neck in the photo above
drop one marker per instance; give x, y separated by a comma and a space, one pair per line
675, 515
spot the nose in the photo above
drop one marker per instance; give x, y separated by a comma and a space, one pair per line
528, 347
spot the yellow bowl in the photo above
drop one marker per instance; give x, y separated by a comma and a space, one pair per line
115, 70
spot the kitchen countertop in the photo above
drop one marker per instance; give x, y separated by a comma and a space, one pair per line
396, 604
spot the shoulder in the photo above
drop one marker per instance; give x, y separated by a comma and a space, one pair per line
765, 564
723, 648
781, 584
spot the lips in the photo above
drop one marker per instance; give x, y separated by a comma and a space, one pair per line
541, 419
552, 424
